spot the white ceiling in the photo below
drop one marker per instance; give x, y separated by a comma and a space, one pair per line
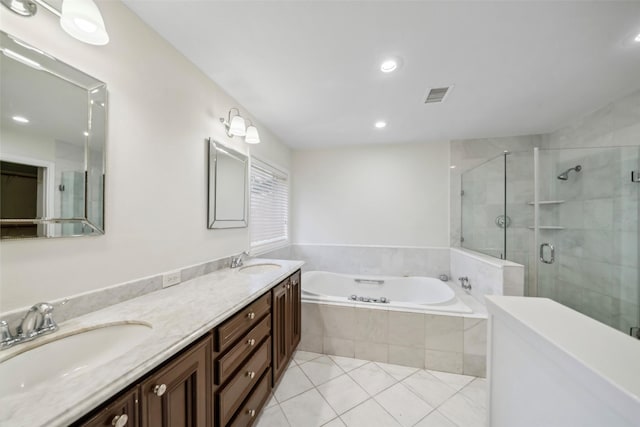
309, 70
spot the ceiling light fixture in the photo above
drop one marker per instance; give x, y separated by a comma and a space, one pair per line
380, 124
389, 65
20, 119
637, 39
81, 19
236, 126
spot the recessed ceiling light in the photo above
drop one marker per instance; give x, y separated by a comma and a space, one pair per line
389, 65
452, 166
20, 119
380, 124
85, 133
637, 39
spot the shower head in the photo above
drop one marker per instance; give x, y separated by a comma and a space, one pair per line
565, 175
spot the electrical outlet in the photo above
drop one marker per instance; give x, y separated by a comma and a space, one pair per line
171, 278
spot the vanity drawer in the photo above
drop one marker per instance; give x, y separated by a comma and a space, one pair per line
249, 411
227, 333
229, 399
229, 362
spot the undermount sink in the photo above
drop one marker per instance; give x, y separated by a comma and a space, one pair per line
69, 354
259, 268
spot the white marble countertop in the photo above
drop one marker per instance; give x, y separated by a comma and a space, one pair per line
179, 315
598, 354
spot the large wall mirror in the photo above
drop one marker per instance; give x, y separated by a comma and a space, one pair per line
52, 145
228, 174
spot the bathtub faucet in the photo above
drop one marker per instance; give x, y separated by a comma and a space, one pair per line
383, 300
464, 282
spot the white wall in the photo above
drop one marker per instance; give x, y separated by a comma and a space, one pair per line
392, 195
161, 109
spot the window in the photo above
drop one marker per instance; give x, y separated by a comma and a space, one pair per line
269, 215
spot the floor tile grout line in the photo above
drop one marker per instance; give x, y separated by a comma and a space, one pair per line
380, 391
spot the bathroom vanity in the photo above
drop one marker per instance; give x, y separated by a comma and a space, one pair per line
224, 378
216, 347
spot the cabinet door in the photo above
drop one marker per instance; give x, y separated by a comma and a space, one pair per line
295, 308
122, 412
179, 394
281, 328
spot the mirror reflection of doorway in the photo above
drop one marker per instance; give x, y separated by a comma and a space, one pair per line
23, 194
19, 197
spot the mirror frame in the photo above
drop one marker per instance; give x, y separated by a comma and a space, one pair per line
93, 221
215, 148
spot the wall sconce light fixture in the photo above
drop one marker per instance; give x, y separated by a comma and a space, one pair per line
81, 19
252, 136
236, 126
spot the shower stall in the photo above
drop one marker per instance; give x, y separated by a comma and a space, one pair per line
570, 216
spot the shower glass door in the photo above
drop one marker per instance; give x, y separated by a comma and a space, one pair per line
483, 201
586, 232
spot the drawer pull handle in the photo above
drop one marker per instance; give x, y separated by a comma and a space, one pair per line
120, 420
251, 374
251, 342
159, 390
251, 413
251, 315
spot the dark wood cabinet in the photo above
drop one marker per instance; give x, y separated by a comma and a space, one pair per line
295, 305
286, 318
281, 313
178, 395
121, 412
224, 379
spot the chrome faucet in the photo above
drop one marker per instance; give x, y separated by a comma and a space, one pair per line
37, 321
464, 282
237, 260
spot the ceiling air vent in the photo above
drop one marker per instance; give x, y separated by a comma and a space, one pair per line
437, 94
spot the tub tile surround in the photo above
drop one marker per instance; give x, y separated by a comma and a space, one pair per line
179, 315
443, 342
371, 260
487, 275
455, 344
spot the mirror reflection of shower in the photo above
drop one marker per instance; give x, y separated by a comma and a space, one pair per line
565, 175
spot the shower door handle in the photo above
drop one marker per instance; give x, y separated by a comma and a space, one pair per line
552, 251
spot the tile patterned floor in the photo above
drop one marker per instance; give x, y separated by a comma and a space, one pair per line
319, 390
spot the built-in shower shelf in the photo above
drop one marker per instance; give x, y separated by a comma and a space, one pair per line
547, 227
547, 202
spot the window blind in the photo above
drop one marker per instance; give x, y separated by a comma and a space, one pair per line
269, 215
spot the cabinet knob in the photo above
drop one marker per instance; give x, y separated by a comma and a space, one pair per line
251, 342
251, 315
251, 374
120, 420
159, 389
251, 413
